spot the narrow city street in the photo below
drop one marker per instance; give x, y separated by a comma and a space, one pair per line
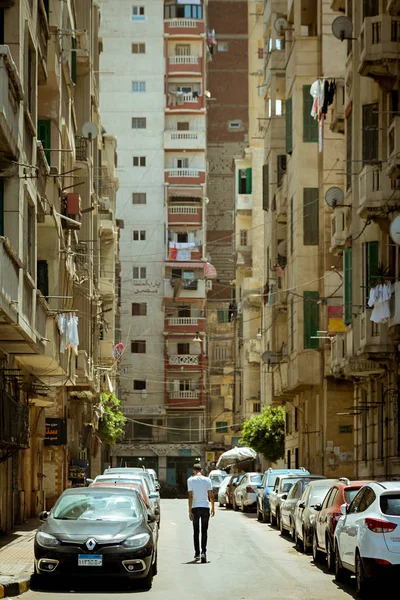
247, 561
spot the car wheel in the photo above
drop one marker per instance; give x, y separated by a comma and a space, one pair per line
363, 583
235, 506
278, 519
297, 541
341, 574
259, 515
291, 529
281, 527
330, 555
317, 554
305, 545
147, 582
273, 519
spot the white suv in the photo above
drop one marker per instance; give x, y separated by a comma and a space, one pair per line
367, 536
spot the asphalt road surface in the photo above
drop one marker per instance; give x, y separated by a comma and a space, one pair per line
247, 560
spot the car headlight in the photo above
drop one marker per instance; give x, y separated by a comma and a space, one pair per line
46, 540
136, 541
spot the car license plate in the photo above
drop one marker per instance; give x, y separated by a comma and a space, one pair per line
90, 560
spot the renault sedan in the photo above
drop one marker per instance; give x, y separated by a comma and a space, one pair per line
97, 532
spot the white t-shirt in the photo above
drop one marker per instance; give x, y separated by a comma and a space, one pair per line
200, 486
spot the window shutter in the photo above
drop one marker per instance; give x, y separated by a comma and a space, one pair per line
289, 125
370, 132
266, 187
1, 206
311, 320
372, 263
310, 217
348, 288
310, 125
281, 168
44, 136
43, 277
249, 182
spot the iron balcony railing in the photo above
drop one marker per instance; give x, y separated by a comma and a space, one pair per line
14, 422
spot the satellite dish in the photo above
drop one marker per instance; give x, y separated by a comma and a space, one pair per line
334, 197
282, 248
342, 28
280, 25
90, 131
395, 230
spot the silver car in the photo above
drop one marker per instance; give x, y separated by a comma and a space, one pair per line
245, 495
222, 491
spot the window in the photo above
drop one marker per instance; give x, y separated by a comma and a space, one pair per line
310, 125
183, 348
138, 86
221, 427
220, 353
139, 198
349, 149
143, 430
139, 123
222, 315
139, 235
235, 125
370, 133
310, 217
256, 407
281, 168
182, 125
44, 135
367, 499
311, 320
370, 267
245, 181
266, 187
222, 46
138, 13
138, 347
43, 277
139, 48
289, 125
182, 163
291, 224
348, 285
296, 419
139, 385
182, 49
370, 8
296, 458
243, 237
139, 272
139, 161
184, 11
289, 458
139, 309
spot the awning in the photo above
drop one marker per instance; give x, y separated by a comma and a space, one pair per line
235, 456
210, 271
188, 264
182, 192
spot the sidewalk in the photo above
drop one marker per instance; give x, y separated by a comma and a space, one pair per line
16, 559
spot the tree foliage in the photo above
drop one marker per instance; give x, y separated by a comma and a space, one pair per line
265, 433
112, 421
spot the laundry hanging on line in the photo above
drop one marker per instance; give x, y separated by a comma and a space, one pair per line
68, 328
379, 298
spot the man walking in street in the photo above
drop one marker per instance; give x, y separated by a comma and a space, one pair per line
200, 496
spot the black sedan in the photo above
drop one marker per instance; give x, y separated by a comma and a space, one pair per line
100, 532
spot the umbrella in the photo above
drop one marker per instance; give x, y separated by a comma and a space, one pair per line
210, 271
235, 456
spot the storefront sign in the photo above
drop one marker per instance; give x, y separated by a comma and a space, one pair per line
183, 452
55, 432
144, 410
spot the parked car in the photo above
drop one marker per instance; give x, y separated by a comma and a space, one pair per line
137, 485
216, 480
265, 488
222, 495
288, 505
217, 472
232, 485
75, 536
153, 475
245, 496
305, 512
342, 492
132, 471
366, 538
282, 486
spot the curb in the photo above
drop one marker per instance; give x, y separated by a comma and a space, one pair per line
15, 589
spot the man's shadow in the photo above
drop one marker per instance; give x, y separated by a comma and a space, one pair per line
195, 562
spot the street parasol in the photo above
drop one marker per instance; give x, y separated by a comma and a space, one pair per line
235, 456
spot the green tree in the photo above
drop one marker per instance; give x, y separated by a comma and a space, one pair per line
112, 421
266, 433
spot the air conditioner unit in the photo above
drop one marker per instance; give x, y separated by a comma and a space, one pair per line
208, 284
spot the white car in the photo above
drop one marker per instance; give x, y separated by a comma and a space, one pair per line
367, 536
222, 496
245, 495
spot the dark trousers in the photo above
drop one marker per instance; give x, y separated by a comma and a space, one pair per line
203, 515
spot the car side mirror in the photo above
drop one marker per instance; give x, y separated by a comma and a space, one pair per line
157, 486
343, 509
43, 515
302, 505
151, 517
317, 507
284, 496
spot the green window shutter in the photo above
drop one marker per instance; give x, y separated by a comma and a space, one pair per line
292, 325
222, 315
44, 135
372, 263
311, 320
1, 206
348, 285
289, 125
43, 277
266, 187
221, 427
73, 60
310, 125
310, 217
249, 181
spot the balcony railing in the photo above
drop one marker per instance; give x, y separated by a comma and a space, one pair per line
14, 422
9, 280
183, 321
11, 95
185, 394
183, 172
183, 60
178, 23
183, 359
81, 148
183, 210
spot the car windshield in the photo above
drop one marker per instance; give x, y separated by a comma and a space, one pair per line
350, 493
100, 506
271, 480
318, 494
217, 479
256, 478
390, 504
286, 485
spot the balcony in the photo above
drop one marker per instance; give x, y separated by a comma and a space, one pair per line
340, 228
184, 140
244, 256
82, 53
275, 134
380, 49
377, 193
185, 176
184, 360
274, 7
185, 65
373, 337
304, 370
393, 7
185, 399
393, 149
181, 288
184, 324
184, 27
11, 95
14, 422
244, 204
107, 287
179, 102
185, 215
338, 353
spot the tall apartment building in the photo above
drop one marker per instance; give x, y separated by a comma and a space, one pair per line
365, 355
51, 245
154, 96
